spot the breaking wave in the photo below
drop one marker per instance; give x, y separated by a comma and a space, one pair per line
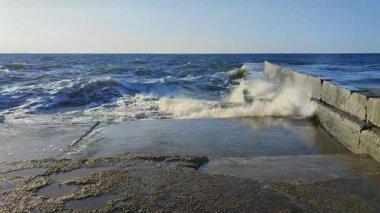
269, 100
95, 91
114, 99
133, 87
16, 66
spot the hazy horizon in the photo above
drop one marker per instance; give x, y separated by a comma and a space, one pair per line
189, 27
187, 53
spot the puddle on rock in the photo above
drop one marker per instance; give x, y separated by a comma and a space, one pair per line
293, 168
8, 185
65, 176
57, 190
91, 203
26, 172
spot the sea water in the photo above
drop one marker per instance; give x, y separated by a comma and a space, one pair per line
117, 87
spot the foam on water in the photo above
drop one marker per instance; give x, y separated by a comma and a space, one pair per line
105, 101
129, 87
284, 101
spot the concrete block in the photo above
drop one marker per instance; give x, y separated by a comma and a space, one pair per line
294, 78
346, 113
316, 86
21, 141
373, 114
335, 95
341, 98
288, 77
357, 105
272, 72
309, 83
345, 128
370, 142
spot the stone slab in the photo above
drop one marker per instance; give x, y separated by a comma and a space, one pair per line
173, 184
272, 72
305, 82
370, 142
374, 111
335, 95
295, 168
288, 77
213, 138
354, 103
357, 105
345, 128
39, 140
316, 86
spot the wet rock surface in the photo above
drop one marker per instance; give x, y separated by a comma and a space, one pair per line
346, 194
169, 183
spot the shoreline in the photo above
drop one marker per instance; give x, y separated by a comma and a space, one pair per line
239, 164
308, 171
351, 116
172, 183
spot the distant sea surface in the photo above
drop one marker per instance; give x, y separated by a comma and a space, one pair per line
128, 84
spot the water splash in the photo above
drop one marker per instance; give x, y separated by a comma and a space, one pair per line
272, 101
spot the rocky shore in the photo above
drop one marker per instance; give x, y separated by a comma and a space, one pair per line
144, 183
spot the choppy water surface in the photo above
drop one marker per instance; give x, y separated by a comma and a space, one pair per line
130, 86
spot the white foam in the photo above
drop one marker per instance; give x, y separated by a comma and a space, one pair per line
285, 101
126, 108
4, 70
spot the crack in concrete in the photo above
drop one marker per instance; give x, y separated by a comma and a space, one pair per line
80, 138
84, 135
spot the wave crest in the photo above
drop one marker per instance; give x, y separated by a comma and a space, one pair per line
272, 101
96, 91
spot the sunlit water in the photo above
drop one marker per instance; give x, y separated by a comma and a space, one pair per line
130, 87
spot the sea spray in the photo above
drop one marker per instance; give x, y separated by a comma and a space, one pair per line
289, 101
55, 88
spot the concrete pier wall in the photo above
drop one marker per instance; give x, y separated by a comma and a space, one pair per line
374, 111
352, 117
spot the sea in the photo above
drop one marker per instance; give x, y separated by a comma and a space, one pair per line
119, 87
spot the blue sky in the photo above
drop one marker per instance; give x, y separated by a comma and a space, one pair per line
190, 26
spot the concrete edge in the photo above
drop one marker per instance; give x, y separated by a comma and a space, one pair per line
351, 101
352, 117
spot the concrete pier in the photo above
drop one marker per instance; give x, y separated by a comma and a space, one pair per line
23, 141
201, 165
351, 116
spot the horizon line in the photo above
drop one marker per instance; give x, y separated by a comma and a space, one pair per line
187, 53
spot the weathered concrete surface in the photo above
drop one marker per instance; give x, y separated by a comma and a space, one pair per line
259, 148
353, 103
293, 168
173, 184
356, 193
345, 128
374, 111
357, 105
356, 135
342, 112
210, 137
335, 95
370, 142
285, 76
316, 86
263, 150
272, 72
160, 184
20, 141
305, 82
